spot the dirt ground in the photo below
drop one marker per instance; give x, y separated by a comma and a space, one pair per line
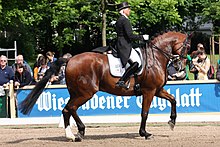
204, 134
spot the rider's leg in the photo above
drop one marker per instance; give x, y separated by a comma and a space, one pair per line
129, 71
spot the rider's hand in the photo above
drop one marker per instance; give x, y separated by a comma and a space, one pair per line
146, 37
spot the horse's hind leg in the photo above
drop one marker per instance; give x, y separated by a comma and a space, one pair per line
71, 108
164, 94
66, 118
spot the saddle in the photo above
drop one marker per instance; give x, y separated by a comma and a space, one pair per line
106, 49
115, 64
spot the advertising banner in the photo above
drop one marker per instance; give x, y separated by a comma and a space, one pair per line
190, 98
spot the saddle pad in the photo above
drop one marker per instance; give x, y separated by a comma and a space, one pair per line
116, 66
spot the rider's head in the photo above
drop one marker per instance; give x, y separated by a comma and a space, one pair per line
124, 8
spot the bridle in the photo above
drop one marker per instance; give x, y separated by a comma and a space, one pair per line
169, 55
184, 46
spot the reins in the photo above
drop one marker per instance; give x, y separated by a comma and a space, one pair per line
170, 55
166, 54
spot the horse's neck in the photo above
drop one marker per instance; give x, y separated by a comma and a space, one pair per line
161, 59
154, 57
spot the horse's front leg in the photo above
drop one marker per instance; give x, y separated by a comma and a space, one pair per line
142, 130
164, 94
147, 99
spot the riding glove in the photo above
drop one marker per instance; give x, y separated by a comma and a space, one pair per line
146, 37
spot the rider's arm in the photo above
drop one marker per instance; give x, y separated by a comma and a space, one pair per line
129, 32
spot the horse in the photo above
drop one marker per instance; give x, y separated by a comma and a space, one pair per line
88, 73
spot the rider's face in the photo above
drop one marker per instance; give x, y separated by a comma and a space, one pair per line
127, 11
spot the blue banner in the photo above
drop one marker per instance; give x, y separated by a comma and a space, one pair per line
191, 98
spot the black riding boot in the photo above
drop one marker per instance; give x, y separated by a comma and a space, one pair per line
129, 71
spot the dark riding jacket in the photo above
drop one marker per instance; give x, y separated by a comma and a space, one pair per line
124, 37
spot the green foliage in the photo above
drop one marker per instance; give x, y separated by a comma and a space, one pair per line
0, 7
212, 12
58, 25
156, 11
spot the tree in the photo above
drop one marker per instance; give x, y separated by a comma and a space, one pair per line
156, 15
14, 28
212, 12
79, 25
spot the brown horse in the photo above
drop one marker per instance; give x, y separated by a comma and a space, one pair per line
88, 73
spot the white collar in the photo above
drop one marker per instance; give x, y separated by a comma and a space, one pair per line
121, 12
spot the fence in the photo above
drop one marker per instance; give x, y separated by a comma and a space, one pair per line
213, 45
8, 102
196, 101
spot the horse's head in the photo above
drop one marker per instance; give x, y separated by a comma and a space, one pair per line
173, 45
181, 46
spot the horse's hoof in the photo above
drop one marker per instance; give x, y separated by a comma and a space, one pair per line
148, 136
78, 137
71, 139
171, 124
145, 134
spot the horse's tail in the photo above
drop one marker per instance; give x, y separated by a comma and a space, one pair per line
28, 103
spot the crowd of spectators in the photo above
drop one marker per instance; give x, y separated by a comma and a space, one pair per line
201, 63
175, 72
22, 74
198, 63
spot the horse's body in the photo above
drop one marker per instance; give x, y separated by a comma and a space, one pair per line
88, 73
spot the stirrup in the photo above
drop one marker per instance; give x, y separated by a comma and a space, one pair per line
122, 84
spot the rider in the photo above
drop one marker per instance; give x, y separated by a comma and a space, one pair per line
124, 38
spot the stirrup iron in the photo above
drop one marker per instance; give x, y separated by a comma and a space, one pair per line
122, 84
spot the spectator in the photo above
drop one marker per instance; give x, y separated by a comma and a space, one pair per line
60, 79
20, 60
174, 70
194, 56
39, 57
202, 65
22, 76
42, 69
37, 64
50, 57
6, 72
189, 65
